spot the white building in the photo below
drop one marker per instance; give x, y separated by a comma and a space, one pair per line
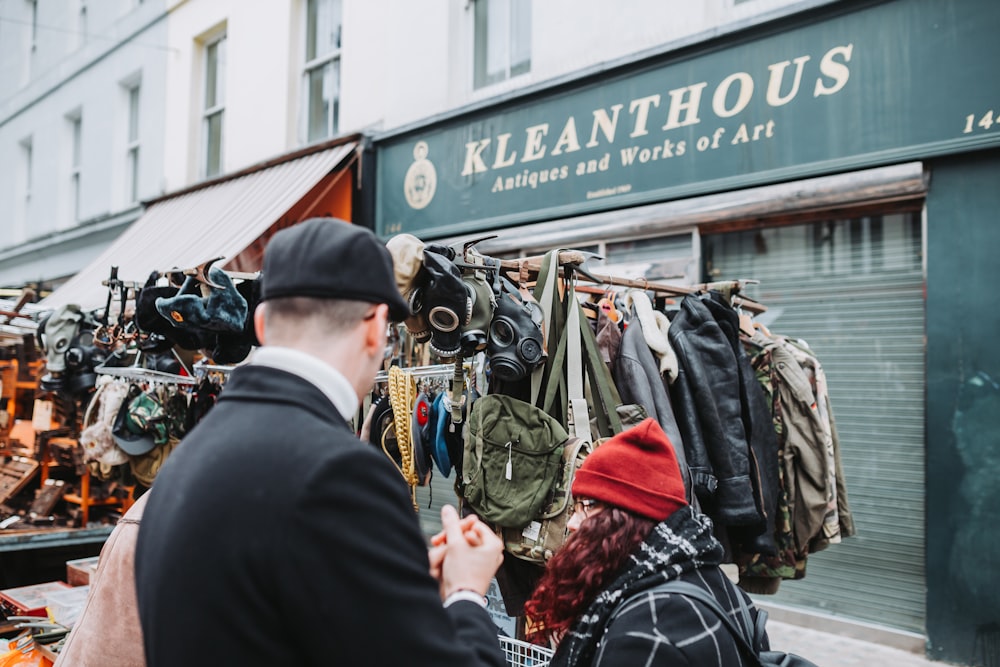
108, 103
81, 129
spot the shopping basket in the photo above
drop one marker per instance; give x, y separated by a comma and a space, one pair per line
523, 654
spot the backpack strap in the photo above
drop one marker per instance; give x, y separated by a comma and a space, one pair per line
748, 647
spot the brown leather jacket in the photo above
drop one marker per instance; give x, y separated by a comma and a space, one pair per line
107, 633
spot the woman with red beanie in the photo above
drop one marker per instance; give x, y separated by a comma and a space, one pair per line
633, 530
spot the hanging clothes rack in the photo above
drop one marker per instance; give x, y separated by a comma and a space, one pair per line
529, 266
435, 370
145, 374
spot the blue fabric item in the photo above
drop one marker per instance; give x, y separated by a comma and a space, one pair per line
439, 450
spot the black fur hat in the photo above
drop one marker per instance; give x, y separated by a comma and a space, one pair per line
232, 348
220, 310
149, 320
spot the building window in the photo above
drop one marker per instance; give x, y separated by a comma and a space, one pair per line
502, 40
322, 68
76, 131
132, 146
214, 108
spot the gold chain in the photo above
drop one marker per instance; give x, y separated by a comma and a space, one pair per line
402, 394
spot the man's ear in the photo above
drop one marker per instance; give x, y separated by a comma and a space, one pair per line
375, 331
258, 321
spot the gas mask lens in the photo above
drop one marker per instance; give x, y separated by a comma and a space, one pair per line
443, 319
501, 332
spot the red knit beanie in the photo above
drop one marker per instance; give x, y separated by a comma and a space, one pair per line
635, 470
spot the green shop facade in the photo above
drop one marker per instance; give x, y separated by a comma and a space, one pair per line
847, 156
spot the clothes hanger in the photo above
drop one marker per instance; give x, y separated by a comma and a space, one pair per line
746, 321
607, 304
763, 329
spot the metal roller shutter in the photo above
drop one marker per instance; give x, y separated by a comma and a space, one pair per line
853, 289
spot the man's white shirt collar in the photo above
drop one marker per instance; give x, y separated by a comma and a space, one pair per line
326, 378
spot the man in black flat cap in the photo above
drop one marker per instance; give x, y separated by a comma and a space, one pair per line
273, 536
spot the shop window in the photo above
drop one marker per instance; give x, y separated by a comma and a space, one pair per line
843, 249
132, 146
668, 259
322, 69
502, 40
214, 106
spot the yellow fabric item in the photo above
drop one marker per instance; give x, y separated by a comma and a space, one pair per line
402, 394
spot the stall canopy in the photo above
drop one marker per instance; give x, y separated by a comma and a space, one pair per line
219, 219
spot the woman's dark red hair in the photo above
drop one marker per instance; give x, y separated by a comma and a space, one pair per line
589, 561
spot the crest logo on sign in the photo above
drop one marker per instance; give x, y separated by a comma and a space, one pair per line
421, 178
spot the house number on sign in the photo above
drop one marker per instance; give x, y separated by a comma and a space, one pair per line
986, 122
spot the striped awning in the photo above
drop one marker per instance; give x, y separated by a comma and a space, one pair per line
218, 220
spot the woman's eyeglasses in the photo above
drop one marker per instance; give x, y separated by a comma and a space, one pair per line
585, 506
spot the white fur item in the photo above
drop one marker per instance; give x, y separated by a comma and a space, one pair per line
654, 329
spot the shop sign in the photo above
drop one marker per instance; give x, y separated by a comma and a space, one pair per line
883, 83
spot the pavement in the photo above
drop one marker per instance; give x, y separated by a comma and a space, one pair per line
831, 650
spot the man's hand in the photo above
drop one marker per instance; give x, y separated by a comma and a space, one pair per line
465, 555
366, 425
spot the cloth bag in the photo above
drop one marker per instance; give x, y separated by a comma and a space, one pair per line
512, 459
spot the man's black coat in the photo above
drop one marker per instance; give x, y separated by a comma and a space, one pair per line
273, 536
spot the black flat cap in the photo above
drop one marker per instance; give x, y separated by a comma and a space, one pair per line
327, 258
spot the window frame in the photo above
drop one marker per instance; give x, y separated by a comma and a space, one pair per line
132, 142
319, 63
481, 33
217, 109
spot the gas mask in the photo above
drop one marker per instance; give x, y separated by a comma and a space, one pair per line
416, 324
71, 371
408, 259
516, 343
475, 330
56, 333
445, 302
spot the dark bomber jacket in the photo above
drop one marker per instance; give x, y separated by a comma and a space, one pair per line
714, 409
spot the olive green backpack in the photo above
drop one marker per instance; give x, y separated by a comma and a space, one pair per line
513, 458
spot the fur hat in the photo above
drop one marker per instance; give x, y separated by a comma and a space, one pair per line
149, 320
220, 310
635, 470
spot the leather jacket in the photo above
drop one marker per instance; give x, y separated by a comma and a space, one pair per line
759, 429
708, 406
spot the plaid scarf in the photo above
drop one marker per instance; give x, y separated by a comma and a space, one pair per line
681, 543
